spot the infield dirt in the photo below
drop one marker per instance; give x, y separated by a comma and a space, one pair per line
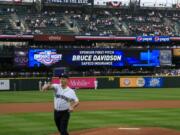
9, 108
128, 131
6, 108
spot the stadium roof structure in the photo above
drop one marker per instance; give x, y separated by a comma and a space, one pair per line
159, 3
146, 3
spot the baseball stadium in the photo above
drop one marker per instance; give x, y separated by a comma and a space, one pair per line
89, 67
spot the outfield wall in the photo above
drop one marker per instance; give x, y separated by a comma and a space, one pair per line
21, 84
24, 84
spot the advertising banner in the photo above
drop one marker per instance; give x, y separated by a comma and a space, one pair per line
132, 82
53, 38
153, 39
4, 85
153, 82
71, 2
78, 83
140, 82
176, 52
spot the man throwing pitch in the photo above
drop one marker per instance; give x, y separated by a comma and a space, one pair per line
65, 100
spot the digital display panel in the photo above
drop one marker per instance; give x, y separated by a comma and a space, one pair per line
46, 57
21, 58
96, 57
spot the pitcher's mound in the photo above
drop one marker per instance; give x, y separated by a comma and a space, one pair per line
127, 131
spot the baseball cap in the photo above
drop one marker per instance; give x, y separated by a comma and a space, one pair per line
64, 76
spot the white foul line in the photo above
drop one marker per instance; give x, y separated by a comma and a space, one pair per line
129, 128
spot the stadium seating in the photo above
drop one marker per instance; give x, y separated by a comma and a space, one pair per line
19, 20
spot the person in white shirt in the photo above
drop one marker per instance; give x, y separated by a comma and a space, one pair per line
65, 100
95, 84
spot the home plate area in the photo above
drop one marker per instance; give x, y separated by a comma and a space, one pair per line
127, 131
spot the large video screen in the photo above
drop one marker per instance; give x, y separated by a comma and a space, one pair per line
142, 58
114, 58
43, 57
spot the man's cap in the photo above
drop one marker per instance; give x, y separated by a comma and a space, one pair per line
64, 76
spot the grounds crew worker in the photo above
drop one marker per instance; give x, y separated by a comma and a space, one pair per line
65, 100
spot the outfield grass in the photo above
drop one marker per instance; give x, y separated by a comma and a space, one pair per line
95, 95
43, 124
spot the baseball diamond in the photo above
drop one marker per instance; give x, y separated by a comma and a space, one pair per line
118, 117
89, 67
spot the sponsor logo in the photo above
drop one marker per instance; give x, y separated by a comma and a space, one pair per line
48, 57
127, 82
21, 60
161, 39
144, 39
153, 39
55, 38
4, 85
140, 82
139, 38
81, 83
154, 82
156, 39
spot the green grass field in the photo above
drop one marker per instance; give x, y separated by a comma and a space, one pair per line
95, 95
43, 124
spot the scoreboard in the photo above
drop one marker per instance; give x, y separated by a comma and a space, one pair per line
71, 2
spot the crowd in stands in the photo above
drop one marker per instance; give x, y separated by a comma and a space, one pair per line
94, 72
168, 72
15, 74
110, 72
6, 51
101, 22
37, 22
75, 22
150, 25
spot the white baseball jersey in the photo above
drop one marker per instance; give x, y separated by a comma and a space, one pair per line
63, 97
